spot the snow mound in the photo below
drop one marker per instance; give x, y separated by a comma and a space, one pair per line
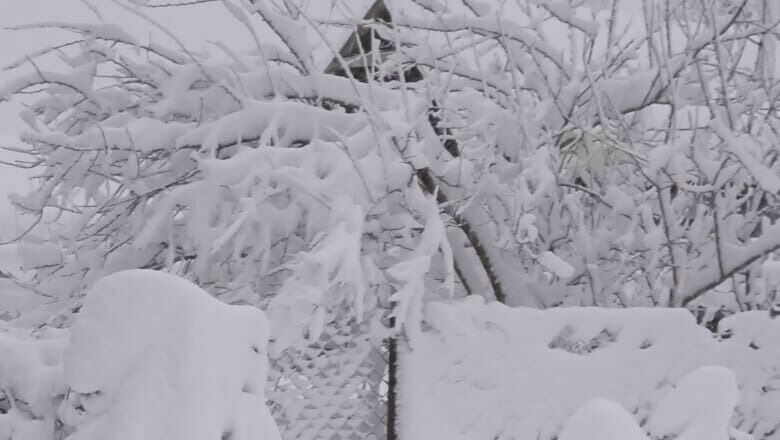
153, 356
544, 365
601, 419
700, 407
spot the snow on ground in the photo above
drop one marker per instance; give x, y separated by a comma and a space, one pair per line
30, 379
490, 371
151, 356
601, 419
698, 408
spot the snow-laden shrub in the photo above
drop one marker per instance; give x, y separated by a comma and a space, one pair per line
151, 356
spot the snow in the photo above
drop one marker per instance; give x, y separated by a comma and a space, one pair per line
153, 356
699, 407
145, 134
254, 120
565, 13
31, 380
16, 300
745, 148
292, 32
601, 419
308, 227
490, 371
555, 264
483, 26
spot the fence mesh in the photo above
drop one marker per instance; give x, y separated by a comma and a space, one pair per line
334, 389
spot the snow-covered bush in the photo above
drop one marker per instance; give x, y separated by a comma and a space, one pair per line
151, 356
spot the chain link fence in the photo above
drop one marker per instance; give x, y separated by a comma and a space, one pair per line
334, 389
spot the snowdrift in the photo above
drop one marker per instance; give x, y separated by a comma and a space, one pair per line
487, 371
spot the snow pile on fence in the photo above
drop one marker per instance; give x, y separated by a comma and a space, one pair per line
490, 371
151, 356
